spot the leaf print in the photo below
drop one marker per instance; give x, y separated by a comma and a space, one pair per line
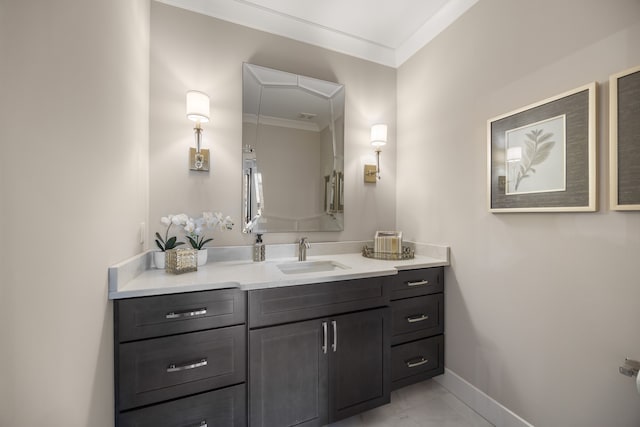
529, 149
543, 152
537, 149
544, 137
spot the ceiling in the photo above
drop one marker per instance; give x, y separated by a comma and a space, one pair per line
384, 31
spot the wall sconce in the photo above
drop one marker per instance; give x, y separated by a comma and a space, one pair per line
198, 111
378, 139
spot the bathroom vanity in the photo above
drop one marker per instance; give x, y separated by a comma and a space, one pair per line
296, 348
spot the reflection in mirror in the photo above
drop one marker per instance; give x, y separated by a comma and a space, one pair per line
293, 152
251, 185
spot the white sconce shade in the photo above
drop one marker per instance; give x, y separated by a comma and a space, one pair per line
197, 106
378, 139
379, 135
198, 111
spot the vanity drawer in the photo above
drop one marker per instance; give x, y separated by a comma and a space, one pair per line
160, 369
295, 303
147, 317
411, 283
417, 317
417, 361
221, 408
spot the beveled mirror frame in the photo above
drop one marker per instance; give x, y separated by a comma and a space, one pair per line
293, 152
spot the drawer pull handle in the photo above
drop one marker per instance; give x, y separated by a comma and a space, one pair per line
202, 423
324, 337
418, 318
418, 283
416, 362
334, 346
186, 313
199, 364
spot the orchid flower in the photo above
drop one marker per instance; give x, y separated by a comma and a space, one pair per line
194, 228
169, 242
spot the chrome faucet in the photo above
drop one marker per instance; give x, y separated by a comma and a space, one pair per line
303, 245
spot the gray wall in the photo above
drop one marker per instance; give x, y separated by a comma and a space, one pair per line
541, 308
74, 83
195, 52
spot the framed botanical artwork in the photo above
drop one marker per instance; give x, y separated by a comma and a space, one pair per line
624, 140
542, 157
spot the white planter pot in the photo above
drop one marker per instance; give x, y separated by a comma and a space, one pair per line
158, 259
202, 257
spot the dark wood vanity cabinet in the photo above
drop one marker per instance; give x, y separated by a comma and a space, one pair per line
180, 359
315, 353
417, 303
312, 372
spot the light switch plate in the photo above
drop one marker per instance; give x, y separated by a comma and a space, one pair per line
143, 233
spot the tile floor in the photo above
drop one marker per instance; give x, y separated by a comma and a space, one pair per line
426, 404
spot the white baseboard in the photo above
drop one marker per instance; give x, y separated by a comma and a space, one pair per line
479, 401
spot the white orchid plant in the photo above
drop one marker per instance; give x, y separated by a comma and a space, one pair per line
193, 229
170, 242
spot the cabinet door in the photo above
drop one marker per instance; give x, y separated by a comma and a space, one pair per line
359, 367
288, 375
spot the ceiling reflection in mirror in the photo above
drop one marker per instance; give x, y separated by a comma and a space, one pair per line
293, 152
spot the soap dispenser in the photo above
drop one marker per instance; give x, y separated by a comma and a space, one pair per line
258, 249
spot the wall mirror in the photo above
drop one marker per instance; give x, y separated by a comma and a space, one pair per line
293, 152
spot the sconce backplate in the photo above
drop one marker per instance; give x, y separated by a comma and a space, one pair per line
370, 172
205, 160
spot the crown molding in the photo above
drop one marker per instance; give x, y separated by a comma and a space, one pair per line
248, 14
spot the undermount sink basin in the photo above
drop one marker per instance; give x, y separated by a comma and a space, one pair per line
300, 267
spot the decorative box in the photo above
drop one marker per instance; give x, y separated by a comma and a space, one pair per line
178, 261
388, 242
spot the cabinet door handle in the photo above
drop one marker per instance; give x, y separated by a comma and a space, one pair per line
417, 283
324, 337
191, 365
418, 318
418, 361
334, 346
186, 313
202, 423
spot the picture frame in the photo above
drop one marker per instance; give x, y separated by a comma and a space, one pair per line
542, 157
624, 140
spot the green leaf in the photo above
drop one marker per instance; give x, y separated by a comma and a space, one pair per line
160, 246
528, 152
193, 243
159, 237
171, 243
205, 242
544, 137
543, 152
534, 134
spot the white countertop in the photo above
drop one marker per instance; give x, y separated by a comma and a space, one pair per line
135, 278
